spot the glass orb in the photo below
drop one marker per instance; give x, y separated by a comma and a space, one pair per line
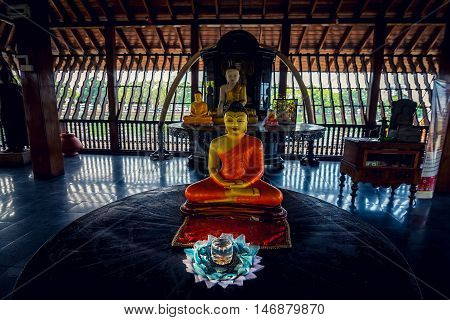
221, 251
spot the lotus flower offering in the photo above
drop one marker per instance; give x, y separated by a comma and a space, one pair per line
223, 260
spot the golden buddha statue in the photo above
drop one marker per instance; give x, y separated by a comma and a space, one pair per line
199, 112
230, 92
236, 166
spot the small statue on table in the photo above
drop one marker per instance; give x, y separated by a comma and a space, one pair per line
199, 112
401, 126
271, 119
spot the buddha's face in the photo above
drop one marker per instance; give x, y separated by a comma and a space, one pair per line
232, 76
198, 97
236, 123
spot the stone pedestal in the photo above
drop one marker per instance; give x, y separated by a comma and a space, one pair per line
8, 159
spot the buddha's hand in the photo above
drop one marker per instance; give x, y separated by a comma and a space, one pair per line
239, 184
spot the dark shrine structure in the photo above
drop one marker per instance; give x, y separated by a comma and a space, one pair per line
240, 48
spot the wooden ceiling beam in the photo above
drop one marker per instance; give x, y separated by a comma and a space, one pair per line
126, 9
76, 11
312, 8
91, 12
240, 9
302, 39
141, 38
58, 45
148, 10
322, 39
93, 40
216, 6
399, 40
251, 21
59, 9
264, 9
106, 10
343, 40
161, 39
79, 40
180, 39
403, 7
422, 12
364, 39
170, 8
415, 39
336, 8
435, 35
124, 40
287, 9
67, 41
194, 9
349, 29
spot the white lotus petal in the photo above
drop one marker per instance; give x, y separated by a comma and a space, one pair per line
250, 276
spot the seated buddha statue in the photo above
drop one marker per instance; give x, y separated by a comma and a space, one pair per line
236, 166
230, 92
271, 119
199, 112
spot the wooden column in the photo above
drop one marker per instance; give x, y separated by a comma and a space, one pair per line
377, 58
194, 49
443, 181
36, 63
284, 48
111, 60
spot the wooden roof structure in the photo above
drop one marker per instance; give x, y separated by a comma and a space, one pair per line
316, 26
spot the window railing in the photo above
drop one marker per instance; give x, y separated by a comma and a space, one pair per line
337, 84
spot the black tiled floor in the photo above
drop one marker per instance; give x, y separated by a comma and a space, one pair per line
32, 211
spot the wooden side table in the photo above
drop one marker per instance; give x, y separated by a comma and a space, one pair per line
383, 164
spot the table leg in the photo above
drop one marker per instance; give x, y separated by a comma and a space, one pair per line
310, 159
342, 181
412, 193
354, 190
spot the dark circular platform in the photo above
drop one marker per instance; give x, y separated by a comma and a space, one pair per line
123, 251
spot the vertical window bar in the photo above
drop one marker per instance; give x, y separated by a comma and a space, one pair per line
341, 98
330, 87
123, 100
387, 84
141, 92
159, 88
358, 89
319, 71
149, 96
84, 75
133, 86
419, 89
92, 87
168, 81
394, 71
104, 93
174, 102
67, 114
349, 89
184, 94
308, 59
66, 84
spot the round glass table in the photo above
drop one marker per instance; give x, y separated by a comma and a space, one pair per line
273, 138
